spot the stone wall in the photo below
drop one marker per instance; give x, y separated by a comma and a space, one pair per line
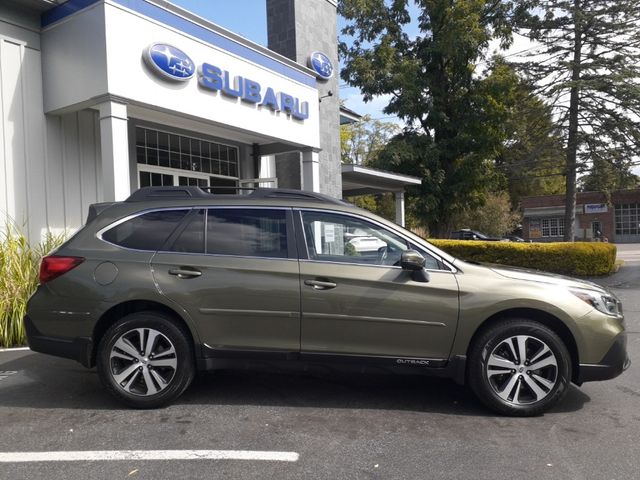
296, 28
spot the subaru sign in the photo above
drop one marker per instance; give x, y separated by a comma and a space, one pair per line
321, 65
211, 77
170, 62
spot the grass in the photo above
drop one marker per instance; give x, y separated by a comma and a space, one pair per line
19, 267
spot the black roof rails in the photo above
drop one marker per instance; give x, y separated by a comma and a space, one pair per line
146, 194
295, 195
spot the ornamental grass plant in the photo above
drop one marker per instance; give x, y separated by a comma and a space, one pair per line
19, 267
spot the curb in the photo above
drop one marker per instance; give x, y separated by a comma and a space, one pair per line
14, 349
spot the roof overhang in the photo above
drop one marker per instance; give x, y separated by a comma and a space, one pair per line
359, 180
348, 116
39, 6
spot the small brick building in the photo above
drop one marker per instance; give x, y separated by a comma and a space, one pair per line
614, 216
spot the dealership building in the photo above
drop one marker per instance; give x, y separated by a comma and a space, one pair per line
101, 97
614, 217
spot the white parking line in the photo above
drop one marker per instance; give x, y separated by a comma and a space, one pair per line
6, 374
101, 455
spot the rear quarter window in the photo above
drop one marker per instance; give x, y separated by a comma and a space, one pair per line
148, 231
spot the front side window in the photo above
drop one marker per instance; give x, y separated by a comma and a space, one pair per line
340, 238
148, 231
247, 232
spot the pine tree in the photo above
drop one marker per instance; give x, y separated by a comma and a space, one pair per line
588, 69
531, 159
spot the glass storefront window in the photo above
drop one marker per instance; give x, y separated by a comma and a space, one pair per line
627, 219
185, 153
551, 227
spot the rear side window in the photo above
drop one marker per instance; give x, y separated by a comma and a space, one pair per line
247, 232
145, 232
191, 239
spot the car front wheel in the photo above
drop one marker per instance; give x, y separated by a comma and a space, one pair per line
519, 367
145, 360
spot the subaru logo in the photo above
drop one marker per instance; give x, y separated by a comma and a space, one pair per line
170, 62
321, 64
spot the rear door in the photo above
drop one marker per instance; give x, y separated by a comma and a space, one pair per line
235, 270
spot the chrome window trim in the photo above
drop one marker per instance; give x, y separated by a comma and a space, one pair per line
301, 210
100, 232
248, 257
368, 265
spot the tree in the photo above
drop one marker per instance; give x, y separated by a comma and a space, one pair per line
362, 141
532, 157
588, 66
494, 218
607, 177
454, 131
382, 204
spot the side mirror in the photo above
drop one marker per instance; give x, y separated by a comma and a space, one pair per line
414, 262
411, 260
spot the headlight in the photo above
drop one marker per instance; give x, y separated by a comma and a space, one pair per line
606, 304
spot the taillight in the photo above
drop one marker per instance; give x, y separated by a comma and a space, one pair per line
53, 266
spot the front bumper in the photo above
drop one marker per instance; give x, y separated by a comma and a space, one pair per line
613, 364
79, 349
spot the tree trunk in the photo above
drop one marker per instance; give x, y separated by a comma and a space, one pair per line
572, 141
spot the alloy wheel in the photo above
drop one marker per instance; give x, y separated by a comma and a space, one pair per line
522, 370
143, 361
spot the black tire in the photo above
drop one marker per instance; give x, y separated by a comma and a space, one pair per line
147, 381
516, 390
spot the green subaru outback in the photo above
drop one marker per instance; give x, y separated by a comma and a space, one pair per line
176, 279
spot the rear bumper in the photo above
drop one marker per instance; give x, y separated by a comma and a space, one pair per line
79, 349
613, 364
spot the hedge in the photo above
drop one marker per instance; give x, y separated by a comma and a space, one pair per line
580, 258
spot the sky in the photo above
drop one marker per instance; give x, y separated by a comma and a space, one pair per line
249, 19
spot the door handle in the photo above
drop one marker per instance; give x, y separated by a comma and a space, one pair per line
185, 273
320, 285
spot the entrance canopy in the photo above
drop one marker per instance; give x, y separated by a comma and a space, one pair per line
359, 180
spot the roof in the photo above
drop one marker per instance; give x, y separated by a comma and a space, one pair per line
185, 21
147, 194
348, 116
359, 180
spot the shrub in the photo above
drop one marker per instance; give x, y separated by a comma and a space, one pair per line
19, 266
580, 258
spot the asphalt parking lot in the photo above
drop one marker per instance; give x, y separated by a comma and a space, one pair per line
318, 425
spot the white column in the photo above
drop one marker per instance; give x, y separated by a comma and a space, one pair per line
268, 171
311, 171
400, 208
114, 144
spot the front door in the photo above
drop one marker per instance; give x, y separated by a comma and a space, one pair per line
596, 230
236, 273
356, 300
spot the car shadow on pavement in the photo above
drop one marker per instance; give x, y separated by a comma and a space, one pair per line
49, 383
347, 391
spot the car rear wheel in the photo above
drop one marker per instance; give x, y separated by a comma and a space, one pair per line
145, 360
519, 367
